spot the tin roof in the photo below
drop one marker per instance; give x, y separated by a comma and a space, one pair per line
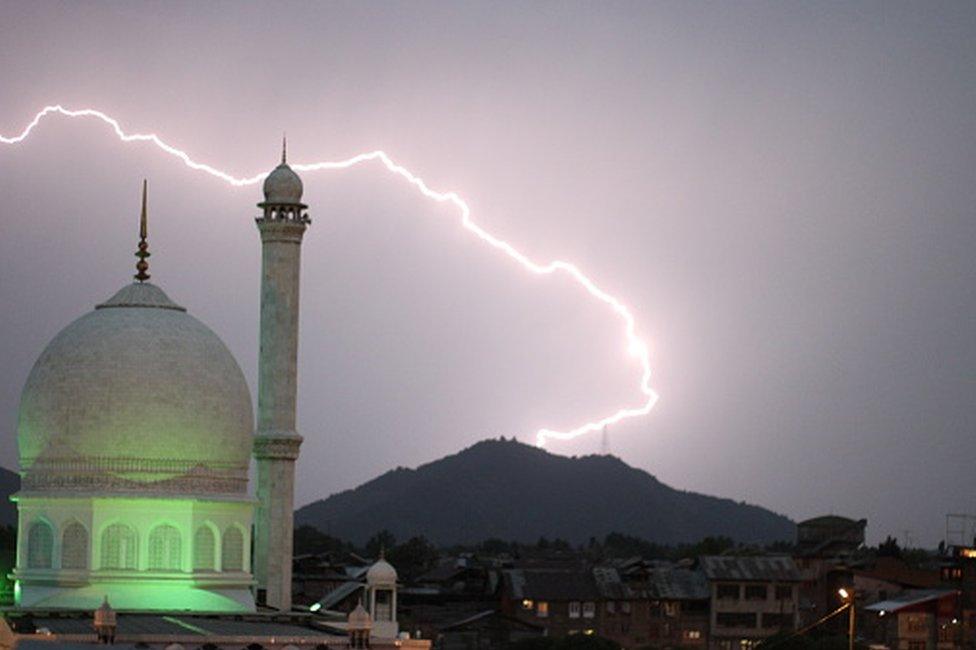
763, 568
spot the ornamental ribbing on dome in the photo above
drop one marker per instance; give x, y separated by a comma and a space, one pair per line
136, 396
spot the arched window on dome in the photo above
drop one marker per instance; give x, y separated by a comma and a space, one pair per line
119, 547
74, 547
204, 546
165, 548
232, 550
40, 545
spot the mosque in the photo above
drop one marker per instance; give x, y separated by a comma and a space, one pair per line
136, 431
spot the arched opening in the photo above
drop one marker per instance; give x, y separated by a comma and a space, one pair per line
119, 547
40, 545
232, 550
204, 547
165, 548
74, 547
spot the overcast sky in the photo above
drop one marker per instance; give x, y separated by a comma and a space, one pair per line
783, 193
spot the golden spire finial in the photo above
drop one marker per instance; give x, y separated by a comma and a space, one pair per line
142, 265
284, 149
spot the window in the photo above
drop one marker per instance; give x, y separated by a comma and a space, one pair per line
692, 635
232, 550
770, 620
756, 592
74, 547
589, 609
574, 609
784, 592
611, 607
542, 609
203, 549
916, 623
625, 607
727, 592
528, 603
40, 545
735, 619
670, 608
165, 549
119, 547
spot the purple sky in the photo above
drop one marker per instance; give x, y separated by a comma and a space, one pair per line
783, 193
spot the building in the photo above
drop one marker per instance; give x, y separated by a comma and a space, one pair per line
751, 598
916, 619
679, 607
135, 435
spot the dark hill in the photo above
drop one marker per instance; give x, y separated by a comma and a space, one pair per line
512, 491
9, 483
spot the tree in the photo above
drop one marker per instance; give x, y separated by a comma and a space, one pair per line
381, 541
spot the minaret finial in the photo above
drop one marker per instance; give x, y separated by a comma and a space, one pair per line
284, 148
142, 265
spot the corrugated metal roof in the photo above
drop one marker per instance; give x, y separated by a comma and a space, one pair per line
551, 584
339, 594
910, 598
678, 584
762, 568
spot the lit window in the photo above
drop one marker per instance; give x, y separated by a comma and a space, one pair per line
692, 634
527, 603
588, 631
204, 549
542, 609
574, 609
968, 552
40, 545
164, 549
589, 609
119, 547
74, 547
232, 550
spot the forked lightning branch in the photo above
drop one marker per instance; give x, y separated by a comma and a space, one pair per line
635, 346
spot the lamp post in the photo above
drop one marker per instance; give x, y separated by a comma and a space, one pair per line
848, 597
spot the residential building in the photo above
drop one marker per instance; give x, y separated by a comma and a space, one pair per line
752, 598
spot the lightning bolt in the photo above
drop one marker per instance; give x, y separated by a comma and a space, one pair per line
636, 347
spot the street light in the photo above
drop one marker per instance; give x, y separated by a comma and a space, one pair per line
848, 597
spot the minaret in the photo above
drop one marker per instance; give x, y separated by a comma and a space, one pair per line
276, 443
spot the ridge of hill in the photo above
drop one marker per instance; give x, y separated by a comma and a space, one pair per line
516, 492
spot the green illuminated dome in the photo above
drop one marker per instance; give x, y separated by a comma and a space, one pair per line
136, 396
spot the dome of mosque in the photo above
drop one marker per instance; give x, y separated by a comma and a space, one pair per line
359, 619
283, 186
136, 396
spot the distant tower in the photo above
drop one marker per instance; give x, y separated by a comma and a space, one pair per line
277, 442
605, 443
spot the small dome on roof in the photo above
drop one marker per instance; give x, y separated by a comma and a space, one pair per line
381, 573
359, 618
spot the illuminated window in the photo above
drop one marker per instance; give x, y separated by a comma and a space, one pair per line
232, 550
40, 545
692, 635
968, 552
588, 631
574, 609
542, 609
589, 609
119, 547
165, 549
528, 603
74, 547
204, 547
